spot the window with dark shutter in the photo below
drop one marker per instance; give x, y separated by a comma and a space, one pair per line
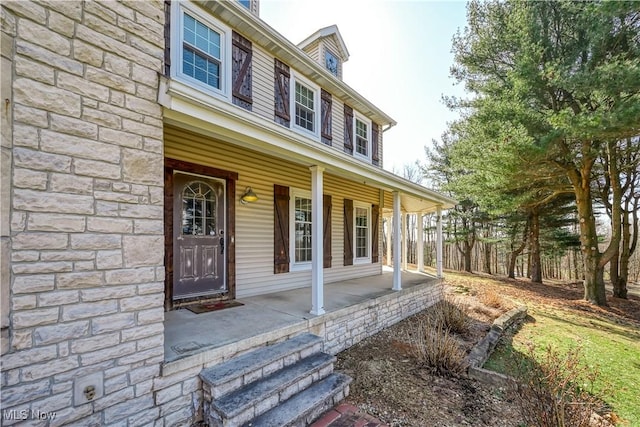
281, 92
280, 229
242, 54
375, 224
326, 104
375, 156
348, 129
326, 240
348, 232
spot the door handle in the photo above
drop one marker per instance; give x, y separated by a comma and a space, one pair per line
222, 245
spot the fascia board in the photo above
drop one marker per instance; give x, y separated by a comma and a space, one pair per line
202, 113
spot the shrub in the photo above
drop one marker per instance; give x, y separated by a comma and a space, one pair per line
491, 298
554, 390
436, 348
449, 314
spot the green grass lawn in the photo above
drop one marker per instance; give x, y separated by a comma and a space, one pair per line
612, 347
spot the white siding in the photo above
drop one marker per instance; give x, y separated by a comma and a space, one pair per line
254, 222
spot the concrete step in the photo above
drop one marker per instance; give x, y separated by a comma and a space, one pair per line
249, 367
252, 400
306, 406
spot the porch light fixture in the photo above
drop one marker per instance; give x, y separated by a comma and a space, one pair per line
248, 197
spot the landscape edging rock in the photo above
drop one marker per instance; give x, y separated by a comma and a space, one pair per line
483, 349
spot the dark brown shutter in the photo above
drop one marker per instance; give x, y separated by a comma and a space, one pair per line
375, 157
348, 129
280, 229
167, 37
325, 129
242, 54
348, 232
375, 227
326, 220
281, 92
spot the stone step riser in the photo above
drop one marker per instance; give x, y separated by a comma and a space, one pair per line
249, 402
253, 368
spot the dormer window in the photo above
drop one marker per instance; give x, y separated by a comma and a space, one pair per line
331, 62
246, 3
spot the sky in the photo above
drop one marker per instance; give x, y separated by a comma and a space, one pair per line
400, 54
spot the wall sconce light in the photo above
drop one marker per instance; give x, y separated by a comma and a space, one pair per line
248, 197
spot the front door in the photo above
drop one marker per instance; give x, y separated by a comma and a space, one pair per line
199, 232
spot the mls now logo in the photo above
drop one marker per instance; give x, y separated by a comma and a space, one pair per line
24, 414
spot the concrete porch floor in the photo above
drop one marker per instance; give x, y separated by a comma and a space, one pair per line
187, 334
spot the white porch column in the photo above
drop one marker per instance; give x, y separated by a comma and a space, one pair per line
420, 240
389, 241
397, 232
439, 243
317, 256
405, 241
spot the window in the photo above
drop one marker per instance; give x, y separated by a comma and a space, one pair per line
198, 209
301, 228
305, 106
305, 114
200, 49
362, 136
331, 62
362, 231
246, 3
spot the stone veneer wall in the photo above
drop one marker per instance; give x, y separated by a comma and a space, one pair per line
82, 220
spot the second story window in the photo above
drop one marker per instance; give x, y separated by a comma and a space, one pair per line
362, 137
305, 107
201, 55
200, 50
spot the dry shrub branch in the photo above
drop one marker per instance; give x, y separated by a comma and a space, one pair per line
433, 340
556, 390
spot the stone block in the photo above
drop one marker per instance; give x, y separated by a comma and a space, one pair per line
121, 138
40, 241
67, 255
54, 60
140, 332
40, 201
100, 25
87, 54
110, 80
96, 169
43, 36
26, 178
143, 226
67, 183
60, 332
106, 260
129, 276
167, 394
149, 316
69, 8
101, 118
128, 408
114, 292
117, 65
89, 279
49, 368
24, 392
100, 10
111, 323
28, 10
143, 250
110, 353
146, 130
151, 343
48, 299
33, 283
31, 318
150, 288
141, 211
77, 147
30, 159
141, 302
143, 374
61, 24
116, 197
114, 398
24, 302
50, 98
34, 70
56, 222
19, 256
144, 75
72, 126
88, 309
96, 241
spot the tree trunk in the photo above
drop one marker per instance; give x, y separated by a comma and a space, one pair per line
534, 244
